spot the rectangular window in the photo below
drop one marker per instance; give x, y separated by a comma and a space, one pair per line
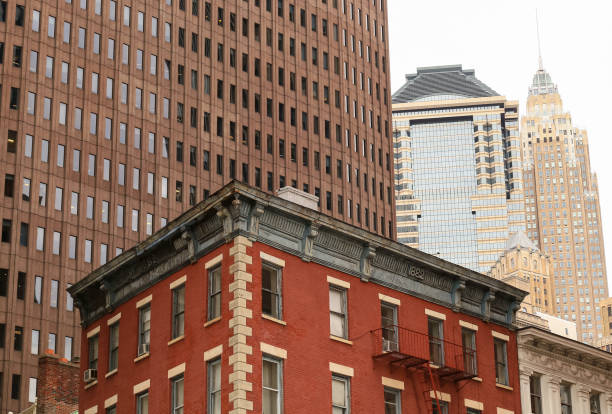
214, 386
6, 230
113, 346
24, 234
393, 401
18, 338
501, 362
25, 191
535, 391
271, 290
54, 293
177, 395
92, 352
38, 281
340, 395
338, 312
87, 254
594, 404
135, 214
3, 286
32, 390
68, 348
16, 385
142, 403
566, 397
214, 293
40, 239
468, 338
389, 327
34, 346
436, 341
72, 245
57, 240
144, 329
272, 388
443, 407
178, 312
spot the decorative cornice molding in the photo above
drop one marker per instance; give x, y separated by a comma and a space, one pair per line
240, 210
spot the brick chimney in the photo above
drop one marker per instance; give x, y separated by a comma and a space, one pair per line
58, 385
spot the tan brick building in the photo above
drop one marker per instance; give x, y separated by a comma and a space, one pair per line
524, 266
119, 115
562, 206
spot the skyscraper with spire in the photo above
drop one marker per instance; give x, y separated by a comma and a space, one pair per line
562, 206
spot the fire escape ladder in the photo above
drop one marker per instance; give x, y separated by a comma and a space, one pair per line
432, 380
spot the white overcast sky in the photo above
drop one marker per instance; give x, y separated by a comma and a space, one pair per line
498, 40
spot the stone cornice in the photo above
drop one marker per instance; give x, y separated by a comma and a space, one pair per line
551, 353
237, 209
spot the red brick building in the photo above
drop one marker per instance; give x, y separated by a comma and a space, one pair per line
119, 115
248, 302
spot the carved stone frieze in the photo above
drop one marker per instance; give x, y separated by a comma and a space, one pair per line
338, 244
282, 223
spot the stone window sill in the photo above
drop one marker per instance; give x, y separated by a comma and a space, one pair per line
141, 357
337, 338
175, 340
212, 321
273, 319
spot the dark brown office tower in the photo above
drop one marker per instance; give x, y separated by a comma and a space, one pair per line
118, 115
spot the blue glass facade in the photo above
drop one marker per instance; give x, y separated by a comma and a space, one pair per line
444, 177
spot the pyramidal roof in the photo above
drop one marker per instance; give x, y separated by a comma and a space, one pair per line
542, 83
520, 239
442, 83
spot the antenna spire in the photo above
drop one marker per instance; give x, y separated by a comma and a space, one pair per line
541, 66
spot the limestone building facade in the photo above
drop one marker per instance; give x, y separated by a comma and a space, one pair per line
560, 376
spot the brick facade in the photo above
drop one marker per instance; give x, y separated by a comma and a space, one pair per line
300, 339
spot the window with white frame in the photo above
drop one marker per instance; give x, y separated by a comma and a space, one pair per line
113, 346
214, 292
340, 395
338, 312
142, 403
214, 386
393, 401
178, 311
272, 385
501, 361
389, 327
177, 394
468, 339
144, 329
436, 341
92, 352
271, 298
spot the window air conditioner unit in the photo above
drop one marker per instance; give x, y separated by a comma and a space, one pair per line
90, 375
143, 349
389, 346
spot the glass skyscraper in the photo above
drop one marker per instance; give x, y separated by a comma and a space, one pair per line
457, 167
